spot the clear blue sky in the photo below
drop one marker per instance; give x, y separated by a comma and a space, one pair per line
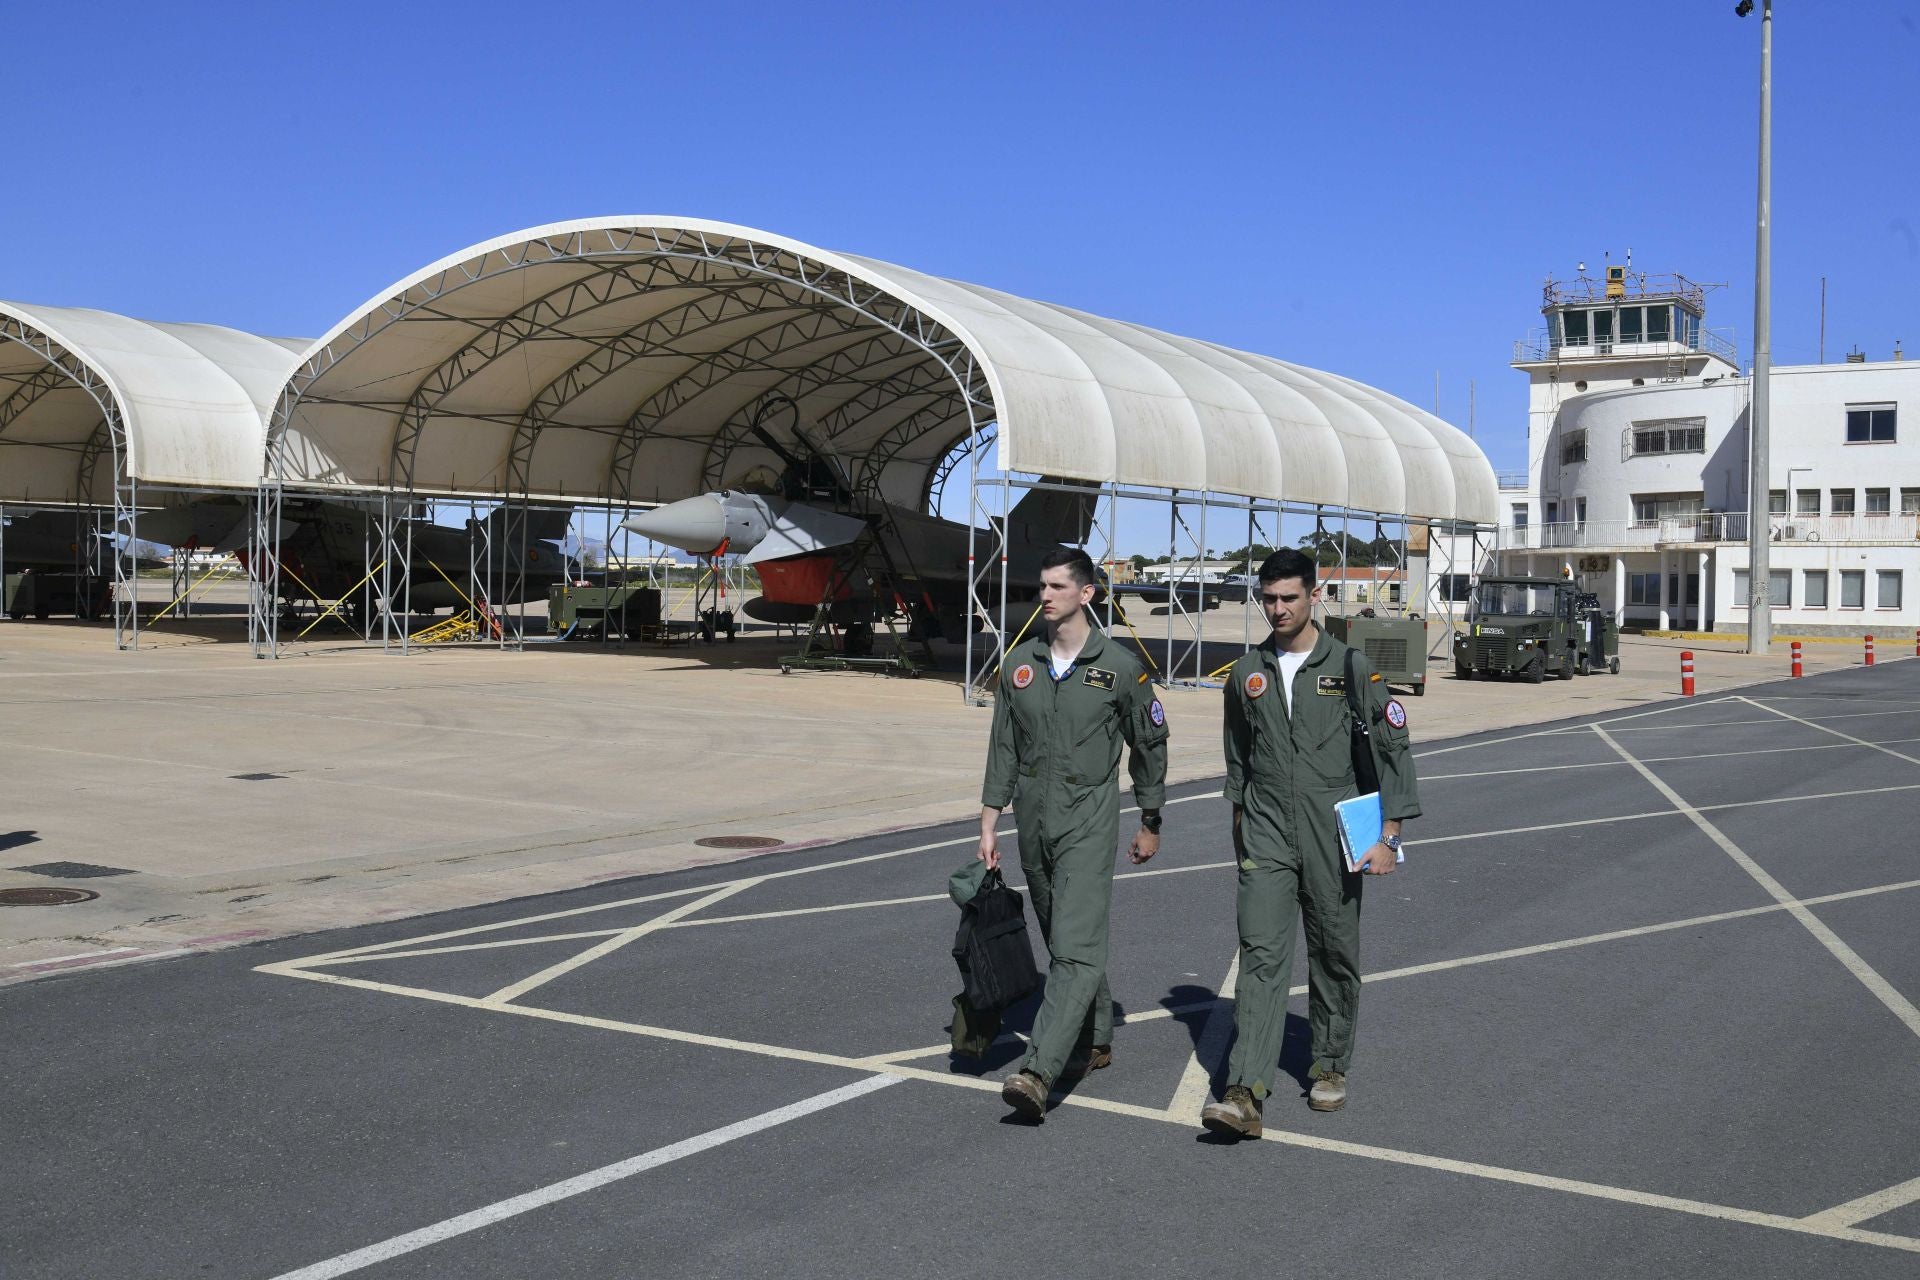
1374, 189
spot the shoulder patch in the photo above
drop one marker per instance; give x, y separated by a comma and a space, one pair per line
1375, 678
1256, 683
1142, 679
1157, 713
1098, 678
1022, 675
1396, 714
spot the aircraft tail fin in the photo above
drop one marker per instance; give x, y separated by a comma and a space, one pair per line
542, 524
1051, 515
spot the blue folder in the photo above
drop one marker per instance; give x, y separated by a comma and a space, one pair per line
1360, 824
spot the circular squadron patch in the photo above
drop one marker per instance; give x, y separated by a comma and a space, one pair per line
1396, 714
1256, 684
1157, 713
1022, 676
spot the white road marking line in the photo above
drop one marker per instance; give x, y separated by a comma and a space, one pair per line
945, 1046
1618, 764
501, 1210
1196, 1082
1881, 747
1869, 977
470, 930
1734, 724
1543, 733
608, 946
1868, 1206
78, 955
109, 964
468, 946
1490, 1172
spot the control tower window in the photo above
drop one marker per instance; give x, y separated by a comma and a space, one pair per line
1576, 328
1630, 324
1658, 327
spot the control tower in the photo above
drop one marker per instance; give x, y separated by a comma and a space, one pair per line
1620, 329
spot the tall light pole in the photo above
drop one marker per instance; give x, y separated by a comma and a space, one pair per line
1759, 490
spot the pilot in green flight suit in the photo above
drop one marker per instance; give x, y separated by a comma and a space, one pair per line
1289, 760
1066, 701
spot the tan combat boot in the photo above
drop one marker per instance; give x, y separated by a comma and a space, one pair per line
1094, 1059
1235, 1116
1329, 1091
1026, 1093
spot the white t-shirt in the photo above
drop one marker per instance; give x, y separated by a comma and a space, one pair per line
1290, 663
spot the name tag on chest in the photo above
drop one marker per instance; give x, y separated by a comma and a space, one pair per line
1098, 679
1332, 687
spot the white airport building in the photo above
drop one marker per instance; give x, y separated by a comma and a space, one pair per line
1637, 465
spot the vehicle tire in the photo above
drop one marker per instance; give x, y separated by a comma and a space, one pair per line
1566, 666
1537, 673
1586, 665
1420, 690
1613, 666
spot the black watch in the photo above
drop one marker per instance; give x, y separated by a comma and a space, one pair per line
1150, 821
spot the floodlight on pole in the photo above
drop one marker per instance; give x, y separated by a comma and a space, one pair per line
1759, 489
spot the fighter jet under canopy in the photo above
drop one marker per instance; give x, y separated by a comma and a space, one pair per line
814, 540
325, 545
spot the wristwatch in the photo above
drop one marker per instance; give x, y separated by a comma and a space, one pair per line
1392, 842
1150, 821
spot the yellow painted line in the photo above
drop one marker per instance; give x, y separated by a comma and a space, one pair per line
1811, 724
1196, 1080
1869, 977
1868, 1206
608, 946
1494, 1173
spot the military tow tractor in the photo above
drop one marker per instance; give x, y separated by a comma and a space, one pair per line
1533, 627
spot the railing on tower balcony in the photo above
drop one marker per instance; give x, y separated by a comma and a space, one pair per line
1539, 345
1511, 481
1708, 527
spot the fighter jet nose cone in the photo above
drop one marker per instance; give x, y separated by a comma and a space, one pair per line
697, 525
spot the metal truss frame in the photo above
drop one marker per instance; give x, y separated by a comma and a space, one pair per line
738, 276
64, 367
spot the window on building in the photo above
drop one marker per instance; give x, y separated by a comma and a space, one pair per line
1643, 588
1840, 502
1910, 502
1869, 423
1579, 513
1659, 328
1879, 502
1685, 435
1806, 502
1576, 328
1853, 588
1603, 330
1652, 508
1573, 447
1519, 515
1553, 513
1888, 583
1776, 502
1630, 324
1814, 595
1779, 588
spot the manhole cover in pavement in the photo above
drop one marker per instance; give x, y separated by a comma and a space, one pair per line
44, 897
738, 842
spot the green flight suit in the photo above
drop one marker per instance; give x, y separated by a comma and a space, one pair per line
1286, 772
1059, 741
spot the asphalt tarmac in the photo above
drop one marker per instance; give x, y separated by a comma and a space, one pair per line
1641, 1001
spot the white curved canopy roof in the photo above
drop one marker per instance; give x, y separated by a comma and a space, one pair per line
627, 358
188, 402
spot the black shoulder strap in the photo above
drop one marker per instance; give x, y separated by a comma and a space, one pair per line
1366, 776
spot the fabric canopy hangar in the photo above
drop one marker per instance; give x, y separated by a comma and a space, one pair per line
624, 360
181, 405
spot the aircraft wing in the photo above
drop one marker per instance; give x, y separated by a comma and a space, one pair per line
798, 529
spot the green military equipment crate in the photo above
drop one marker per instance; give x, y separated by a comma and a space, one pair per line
38, 593
1397, 647
629, 609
